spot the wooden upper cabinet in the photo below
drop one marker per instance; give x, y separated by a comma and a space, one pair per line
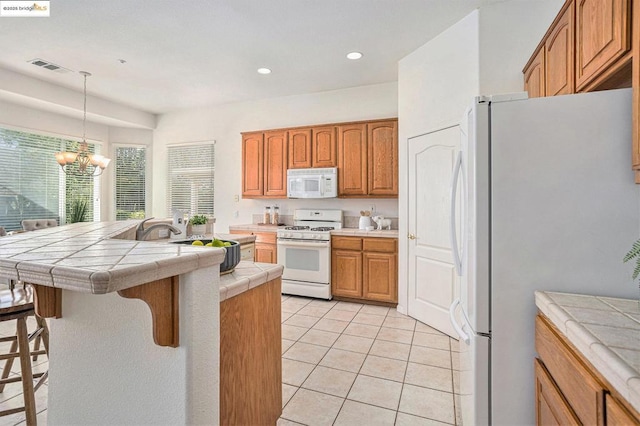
299, 148
313, 147
603, 35
275, 164
534, 73
382, 141
324, 147
352, 159
252, 159
559, 54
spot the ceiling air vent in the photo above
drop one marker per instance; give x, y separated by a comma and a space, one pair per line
48, 65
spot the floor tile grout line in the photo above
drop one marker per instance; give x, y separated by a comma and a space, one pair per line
411, 345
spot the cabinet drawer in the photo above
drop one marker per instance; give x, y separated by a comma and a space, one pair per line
346, 243
580, 388
265, 237
384, 245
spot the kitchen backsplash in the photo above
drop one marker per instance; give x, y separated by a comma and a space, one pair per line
349, 221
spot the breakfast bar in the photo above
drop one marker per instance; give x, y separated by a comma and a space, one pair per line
134, 325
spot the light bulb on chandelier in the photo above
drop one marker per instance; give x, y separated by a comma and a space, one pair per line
88, 164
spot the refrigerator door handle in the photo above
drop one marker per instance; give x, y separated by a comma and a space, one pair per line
452, 317
453, 190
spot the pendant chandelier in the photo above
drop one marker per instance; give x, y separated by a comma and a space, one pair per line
87, 164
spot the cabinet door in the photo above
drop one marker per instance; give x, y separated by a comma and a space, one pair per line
275, 164
559, 55
352, 160
602, 36
265, 253
534, 75
324, 147
551, 408
583, 392
382, 142
379, 280
252, 159
299, 148
346, 273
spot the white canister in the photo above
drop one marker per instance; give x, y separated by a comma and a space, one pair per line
364, 222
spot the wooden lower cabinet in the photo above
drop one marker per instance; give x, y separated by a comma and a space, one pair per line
250, 357
568, 389
346, 273
266, 250
365, 268
551, 407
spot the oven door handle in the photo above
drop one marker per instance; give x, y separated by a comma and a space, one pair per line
309, 244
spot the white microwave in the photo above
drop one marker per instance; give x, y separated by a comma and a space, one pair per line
312, 183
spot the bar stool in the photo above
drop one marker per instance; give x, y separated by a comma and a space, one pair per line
17, 304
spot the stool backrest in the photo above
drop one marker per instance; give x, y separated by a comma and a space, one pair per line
35, 224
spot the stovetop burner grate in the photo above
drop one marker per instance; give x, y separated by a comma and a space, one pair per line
296, 228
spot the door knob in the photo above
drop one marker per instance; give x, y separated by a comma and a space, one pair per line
411, 236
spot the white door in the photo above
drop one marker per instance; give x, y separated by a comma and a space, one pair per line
433, 281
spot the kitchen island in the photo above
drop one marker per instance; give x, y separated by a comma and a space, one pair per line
106, 366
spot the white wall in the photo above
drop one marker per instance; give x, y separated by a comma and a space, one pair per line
483, 53
225, 123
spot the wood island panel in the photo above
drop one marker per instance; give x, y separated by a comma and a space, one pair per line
250, 357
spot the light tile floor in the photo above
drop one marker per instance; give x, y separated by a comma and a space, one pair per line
342, 364
353, 364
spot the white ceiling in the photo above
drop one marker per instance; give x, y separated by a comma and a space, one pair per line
182, 54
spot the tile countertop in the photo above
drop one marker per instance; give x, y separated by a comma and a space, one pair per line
246, 276
255, 228
355, 232
96, 257
605, 330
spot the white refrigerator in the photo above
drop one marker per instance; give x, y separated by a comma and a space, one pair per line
549, 203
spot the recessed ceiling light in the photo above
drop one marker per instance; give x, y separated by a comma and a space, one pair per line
264, 71
354, 55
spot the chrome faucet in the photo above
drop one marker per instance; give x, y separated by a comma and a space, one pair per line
141, 232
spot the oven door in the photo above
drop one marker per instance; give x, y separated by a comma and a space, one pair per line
305, 260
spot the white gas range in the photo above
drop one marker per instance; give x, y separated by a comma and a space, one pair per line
305, 252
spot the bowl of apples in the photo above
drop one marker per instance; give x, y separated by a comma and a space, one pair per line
231, 258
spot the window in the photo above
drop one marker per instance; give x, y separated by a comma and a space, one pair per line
191, 178
130, 182
33, 186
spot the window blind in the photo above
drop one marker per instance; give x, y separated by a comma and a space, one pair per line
32, 185
191, 179
130, 182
